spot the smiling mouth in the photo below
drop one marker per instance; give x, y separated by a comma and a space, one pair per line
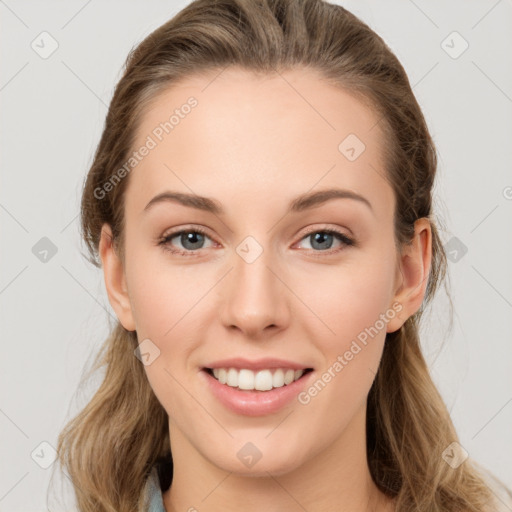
262, 380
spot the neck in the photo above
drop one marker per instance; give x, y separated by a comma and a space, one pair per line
336, 478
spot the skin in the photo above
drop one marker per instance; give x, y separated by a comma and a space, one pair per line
254, 144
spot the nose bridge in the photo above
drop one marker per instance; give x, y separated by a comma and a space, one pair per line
255, 298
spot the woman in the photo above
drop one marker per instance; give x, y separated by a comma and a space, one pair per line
261, 205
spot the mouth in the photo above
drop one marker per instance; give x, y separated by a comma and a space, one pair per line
244, 379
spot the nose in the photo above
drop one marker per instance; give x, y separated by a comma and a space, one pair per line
255, 300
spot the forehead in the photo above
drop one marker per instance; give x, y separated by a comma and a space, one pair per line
273, 134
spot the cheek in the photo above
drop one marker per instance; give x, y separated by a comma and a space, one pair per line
351, 359
354, 302
348, 299
167, 309
162, 295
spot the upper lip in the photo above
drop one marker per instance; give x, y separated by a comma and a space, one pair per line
256, 364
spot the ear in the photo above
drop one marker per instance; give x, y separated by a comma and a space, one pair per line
412, 274
115, 280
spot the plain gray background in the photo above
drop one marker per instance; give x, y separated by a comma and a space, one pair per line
54, 313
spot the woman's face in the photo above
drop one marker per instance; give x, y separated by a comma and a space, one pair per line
265, 285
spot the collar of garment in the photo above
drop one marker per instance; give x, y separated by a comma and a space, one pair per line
154, 493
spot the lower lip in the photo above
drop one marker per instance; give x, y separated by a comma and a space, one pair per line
255, 403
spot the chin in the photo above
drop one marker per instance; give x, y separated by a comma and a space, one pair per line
250, 461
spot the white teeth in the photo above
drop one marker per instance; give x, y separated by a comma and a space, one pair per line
246, 379
263, 380
223, 376
278, 379
232, 379
289, 376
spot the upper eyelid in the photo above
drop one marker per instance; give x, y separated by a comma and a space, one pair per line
173, 233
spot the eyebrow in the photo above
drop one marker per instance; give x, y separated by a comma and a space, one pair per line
299, 204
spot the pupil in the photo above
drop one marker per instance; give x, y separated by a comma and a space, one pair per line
320, 238
191, 237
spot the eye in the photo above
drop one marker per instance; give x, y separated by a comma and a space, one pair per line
322, 240
193, 239
190, 239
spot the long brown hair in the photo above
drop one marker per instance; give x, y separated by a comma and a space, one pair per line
110, 447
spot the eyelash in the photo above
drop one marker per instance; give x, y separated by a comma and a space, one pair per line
346, 241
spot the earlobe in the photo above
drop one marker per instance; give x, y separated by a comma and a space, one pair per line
414, 269
115, 280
